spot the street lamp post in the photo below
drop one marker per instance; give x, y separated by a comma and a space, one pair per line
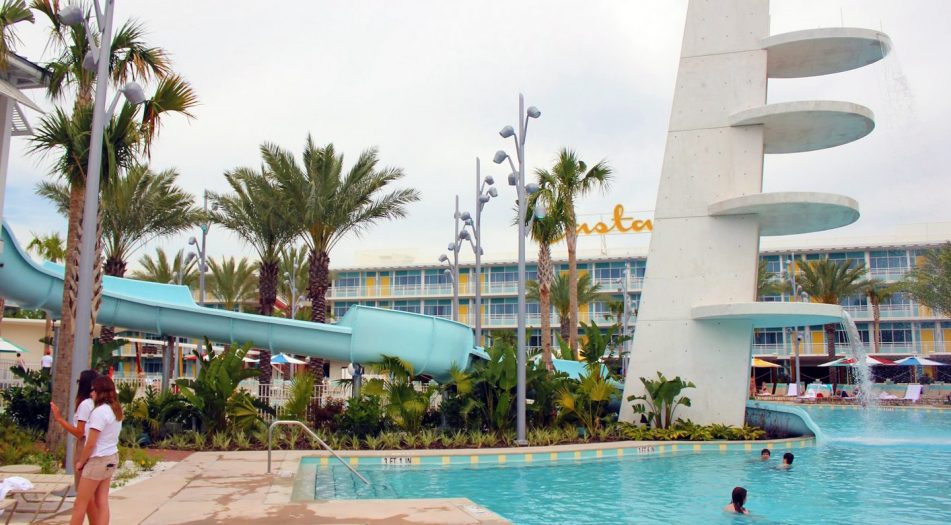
455, 263
796, 291
292, 284
484, 192
96, 59
517, 179
202, 251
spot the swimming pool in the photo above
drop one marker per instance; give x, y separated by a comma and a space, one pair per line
887, 467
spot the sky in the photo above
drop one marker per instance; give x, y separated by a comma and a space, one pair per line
430, 84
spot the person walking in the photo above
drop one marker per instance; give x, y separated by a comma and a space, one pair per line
84, 407
20, 363
100, 456
46, 362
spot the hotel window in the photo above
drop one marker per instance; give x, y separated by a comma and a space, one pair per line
437, 277
773, 263
889, 261
768, 337
348, 280
407, 279
531, 273
504, 275
152, 365
503, 308
609, 274
842, 337
440, 308
638, 268
896, 333
407, 306
535, 340
340, 309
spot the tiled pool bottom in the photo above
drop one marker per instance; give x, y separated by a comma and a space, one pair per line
854, 477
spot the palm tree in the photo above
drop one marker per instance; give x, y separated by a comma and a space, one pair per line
48, 247
232, 282
768, 283
545, 231
830, 282
877, 292
139, 206
258, 213
570, 179
162, 269
329, 204
560, 298
12, 12
930, 281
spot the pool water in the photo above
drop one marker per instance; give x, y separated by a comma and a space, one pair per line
880, 468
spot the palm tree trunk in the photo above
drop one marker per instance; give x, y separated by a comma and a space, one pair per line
571, 238
876, 326
63, 364
830, 348
565, 327
319, 283
544, 301
114, 267
267, 295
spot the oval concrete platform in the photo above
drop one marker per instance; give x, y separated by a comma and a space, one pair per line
770, 315
795, 127
824, 51
790, 213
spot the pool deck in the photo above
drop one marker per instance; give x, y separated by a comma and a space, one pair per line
234, 487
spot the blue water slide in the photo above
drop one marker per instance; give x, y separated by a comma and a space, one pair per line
431, 344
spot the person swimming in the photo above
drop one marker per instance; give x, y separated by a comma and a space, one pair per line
765, 454
738, 500
787, 460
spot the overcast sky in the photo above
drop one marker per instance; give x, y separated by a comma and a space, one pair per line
430, 83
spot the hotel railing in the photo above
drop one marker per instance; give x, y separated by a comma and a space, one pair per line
809, 349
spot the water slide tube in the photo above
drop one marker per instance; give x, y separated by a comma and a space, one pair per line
431, 344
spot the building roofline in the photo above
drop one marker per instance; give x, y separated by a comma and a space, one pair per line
25, 74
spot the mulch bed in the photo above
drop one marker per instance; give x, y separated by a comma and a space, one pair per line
168, 455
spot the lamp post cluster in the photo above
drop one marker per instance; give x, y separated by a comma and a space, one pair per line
522, 191
96, 60
202, 251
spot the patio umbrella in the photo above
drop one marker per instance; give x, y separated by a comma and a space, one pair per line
284, 359
869, 360
762, 363
918, 361
7, 346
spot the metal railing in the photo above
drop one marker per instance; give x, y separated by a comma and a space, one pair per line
270, 434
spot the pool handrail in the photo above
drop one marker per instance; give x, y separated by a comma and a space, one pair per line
270, 433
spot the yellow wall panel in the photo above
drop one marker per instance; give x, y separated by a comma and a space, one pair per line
818, 342
385, 285
927, 340
582, 312
371, 286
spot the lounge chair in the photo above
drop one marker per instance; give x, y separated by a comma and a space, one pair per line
48, 490
912, 393
792, 390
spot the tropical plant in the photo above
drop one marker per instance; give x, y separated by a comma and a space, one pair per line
12, 12
877, 292
214, 392
28, 404
302, 391
363, 417
930, 281
568, 180
260, 215
165, 270
103, 354
232, 282
769, 283
561, 300
545, 231
658, 405
587, 399
328, 204
403, 404
829, 282
596, 343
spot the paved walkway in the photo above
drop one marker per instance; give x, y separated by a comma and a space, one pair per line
233, 488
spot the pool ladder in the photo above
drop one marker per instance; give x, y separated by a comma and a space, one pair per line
270, 433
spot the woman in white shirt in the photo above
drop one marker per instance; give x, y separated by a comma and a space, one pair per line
84, 406
100, 457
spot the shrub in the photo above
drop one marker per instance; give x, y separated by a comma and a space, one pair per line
363, 417
325, 414
16, 443
29, 405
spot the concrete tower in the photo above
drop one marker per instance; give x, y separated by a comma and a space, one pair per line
698, 306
